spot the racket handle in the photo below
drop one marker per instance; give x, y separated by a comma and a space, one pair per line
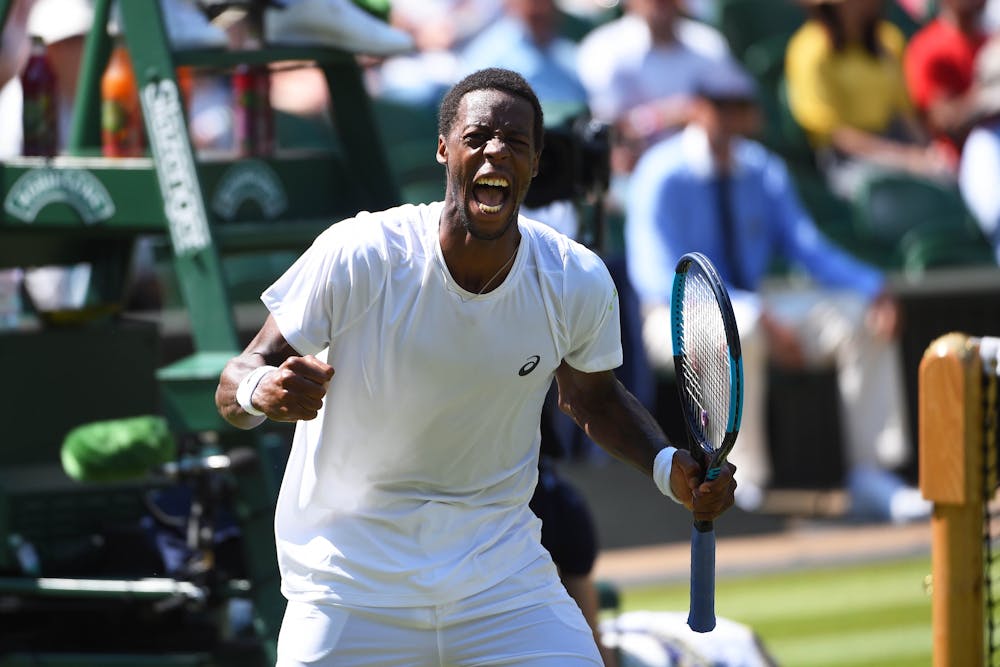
701, 617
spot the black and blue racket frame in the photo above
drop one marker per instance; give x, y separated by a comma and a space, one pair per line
701, 617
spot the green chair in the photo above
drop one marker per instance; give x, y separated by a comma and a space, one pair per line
746, 22
890, 205
765, 58
409, 135
782, 133
934, 247
765, 61
834, 216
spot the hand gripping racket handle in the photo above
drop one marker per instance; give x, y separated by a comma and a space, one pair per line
701, 617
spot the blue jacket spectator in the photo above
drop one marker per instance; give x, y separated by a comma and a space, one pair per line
711, 189
526, 40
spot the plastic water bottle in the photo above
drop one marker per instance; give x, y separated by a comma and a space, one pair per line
39, 118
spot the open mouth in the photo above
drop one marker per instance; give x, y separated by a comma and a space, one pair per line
491, 193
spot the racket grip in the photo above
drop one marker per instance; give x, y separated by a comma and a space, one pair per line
701, 616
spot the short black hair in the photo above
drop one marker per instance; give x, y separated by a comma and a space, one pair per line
491, 78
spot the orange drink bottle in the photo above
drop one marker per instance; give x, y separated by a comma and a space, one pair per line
121, 115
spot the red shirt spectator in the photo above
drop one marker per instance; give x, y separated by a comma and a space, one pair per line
938, 64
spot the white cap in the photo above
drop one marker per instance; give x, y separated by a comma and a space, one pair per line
56, 20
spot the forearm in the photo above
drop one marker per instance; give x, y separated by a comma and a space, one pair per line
268, 348
617, 421
621, 425
880, 151
225, 394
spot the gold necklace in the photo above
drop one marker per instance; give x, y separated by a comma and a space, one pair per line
500, 270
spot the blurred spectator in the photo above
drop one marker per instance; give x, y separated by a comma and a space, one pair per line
526, 39
443, 24
846, 88
938, 62
440, 30
979, 173
712, 190
639, 71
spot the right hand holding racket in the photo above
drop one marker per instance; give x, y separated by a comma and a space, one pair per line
707, 500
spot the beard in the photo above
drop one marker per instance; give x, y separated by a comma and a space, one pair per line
475, 232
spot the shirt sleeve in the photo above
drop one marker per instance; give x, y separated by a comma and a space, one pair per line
329, 287
594, 315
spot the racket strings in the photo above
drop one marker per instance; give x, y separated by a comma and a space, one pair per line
707, 375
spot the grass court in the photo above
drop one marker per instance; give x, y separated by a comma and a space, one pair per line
858, 615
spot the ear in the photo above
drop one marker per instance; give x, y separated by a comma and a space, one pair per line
442, 151
535, 162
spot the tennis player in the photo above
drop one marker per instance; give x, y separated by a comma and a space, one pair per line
404, 535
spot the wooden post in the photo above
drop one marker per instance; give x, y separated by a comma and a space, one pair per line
950, 425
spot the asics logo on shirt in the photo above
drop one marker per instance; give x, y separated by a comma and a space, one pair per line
530, 366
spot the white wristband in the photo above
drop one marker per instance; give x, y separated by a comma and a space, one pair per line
248, 385
662, 465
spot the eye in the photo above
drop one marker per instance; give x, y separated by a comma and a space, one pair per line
476, 139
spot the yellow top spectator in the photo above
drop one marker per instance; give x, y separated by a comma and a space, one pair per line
830, 88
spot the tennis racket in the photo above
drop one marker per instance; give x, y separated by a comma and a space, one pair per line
709, 371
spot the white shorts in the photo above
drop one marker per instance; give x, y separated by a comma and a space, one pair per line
527, 620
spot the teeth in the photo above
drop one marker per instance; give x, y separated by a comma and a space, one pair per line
494, 181
485, 208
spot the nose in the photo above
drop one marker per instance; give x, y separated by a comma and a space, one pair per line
496, 147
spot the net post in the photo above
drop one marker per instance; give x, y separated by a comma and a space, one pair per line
950, 451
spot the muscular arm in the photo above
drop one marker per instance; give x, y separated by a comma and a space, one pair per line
618, 422
912, 157
292, 392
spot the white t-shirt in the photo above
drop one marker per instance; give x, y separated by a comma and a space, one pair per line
977, 179
621, 68
411, 487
